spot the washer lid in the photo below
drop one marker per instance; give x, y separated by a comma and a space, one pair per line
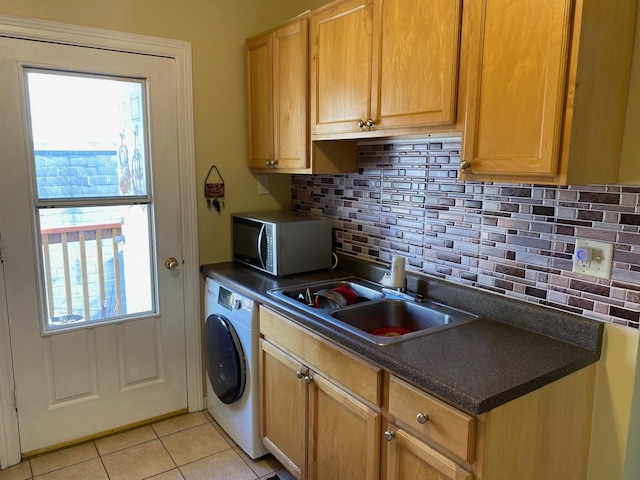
224, 359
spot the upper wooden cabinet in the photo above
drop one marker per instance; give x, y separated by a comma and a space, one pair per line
276, 69
277, 86
384, 67
546, 89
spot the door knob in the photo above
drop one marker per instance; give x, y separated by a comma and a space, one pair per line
171, 263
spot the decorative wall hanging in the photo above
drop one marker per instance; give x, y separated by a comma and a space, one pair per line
214, 192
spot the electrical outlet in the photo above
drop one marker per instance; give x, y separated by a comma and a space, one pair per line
263, 185
593, 258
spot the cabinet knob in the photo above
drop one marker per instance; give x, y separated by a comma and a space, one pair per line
307, 379
371, 123
388, 435
422, 418
271, 163
464, 165
299, 374
361, 124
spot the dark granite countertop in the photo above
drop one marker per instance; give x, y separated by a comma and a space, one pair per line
513, 349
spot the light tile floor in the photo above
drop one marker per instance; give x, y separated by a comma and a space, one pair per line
188, 447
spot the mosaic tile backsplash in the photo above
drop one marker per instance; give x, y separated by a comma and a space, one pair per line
513, 239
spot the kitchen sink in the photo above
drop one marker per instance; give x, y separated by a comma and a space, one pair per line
393, 320
376, 316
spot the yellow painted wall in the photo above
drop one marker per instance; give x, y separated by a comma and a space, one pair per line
613, 401
616, 422
217, 30
630, 167
632, 459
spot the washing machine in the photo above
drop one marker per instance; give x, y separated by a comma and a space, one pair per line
231, 336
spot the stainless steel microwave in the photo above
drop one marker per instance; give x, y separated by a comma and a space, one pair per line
282, 242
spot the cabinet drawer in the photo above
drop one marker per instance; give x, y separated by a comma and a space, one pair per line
361, 378
433, 419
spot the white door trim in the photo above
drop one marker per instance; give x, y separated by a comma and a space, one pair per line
9, 444
180, 51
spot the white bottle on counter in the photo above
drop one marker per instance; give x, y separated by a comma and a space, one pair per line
396, 278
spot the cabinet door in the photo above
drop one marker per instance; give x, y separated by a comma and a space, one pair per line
408, 458
415, 71
259, 92
518, 55
283, 408
290, 95
340, 66
344, 436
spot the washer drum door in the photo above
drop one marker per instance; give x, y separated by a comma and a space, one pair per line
224, 359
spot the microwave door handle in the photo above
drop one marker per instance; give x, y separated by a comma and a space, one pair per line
260, 235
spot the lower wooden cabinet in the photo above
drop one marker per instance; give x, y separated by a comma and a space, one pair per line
313, 427
318, 429
283, 408
322, 410
541, 435
409, 458
344, 434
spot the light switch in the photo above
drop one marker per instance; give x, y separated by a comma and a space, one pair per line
593, 258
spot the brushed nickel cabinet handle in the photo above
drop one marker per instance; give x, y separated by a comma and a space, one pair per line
422, 418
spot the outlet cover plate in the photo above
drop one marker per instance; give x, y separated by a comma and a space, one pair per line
263, 184
600, 260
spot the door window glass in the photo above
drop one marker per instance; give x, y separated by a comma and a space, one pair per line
92, 197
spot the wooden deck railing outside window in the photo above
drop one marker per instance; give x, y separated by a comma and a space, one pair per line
74, 266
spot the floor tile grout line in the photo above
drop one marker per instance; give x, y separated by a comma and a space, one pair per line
33, 475
179, 467
231, 445
104, 466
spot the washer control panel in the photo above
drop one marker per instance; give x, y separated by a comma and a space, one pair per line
232, 301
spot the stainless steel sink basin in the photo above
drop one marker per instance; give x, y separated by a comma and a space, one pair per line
378, 317
296, 295
392, 320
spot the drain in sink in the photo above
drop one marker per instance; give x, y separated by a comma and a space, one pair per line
389, 331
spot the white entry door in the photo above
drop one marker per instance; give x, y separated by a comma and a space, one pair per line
90, 222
